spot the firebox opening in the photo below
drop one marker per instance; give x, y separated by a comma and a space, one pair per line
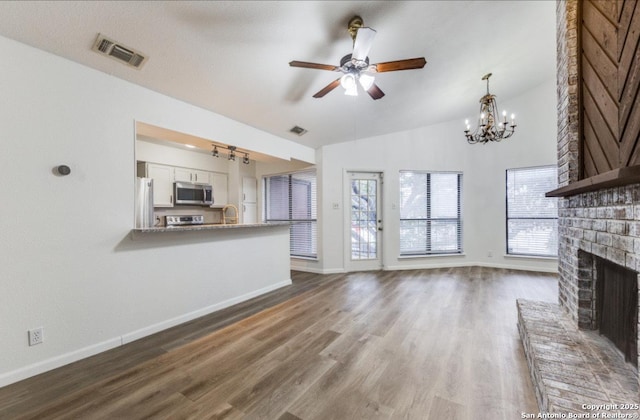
617, 307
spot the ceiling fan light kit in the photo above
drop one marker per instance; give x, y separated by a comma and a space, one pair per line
356, 67
490, 128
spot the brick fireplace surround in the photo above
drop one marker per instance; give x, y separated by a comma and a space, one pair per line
603, 223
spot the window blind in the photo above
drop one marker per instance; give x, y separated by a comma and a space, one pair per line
430, 213
532, 218
292, 198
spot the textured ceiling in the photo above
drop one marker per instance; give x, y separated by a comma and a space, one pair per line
231, 57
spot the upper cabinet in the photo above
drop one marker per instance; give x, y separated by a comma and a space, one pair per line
165, 175
220, 189
249, 190
162, 183
192, 175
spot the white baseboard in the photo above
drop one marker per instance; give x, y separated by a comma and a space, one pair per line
79, 354
152, 329
471, 264
313, 270
58, 361
438, 265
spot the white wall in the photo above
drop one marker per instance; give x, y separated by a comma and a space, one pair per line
158, 153
442, 148
67, 261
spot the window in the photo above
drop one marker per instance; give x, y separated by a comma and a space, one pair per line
430, 221
532, 218
292, 198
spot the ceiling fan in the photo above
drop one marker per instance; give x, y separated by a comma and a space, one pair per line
355, 66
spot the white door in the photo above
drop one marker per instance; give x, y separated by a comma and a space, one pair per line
363, 200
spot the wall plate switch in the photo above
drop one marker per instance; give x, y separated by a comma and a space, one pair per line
336, 206
36, 336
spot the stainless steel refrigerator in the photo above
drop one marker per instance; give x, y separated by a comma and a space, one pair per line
144, 203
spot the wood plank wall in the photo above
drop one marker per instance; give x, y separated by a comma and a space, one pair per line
610, 82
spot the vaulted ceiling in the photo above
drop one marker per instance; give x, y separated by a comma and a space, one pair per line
231, 57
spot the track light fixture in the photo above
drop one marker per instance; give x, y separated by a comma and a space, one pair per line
232, 153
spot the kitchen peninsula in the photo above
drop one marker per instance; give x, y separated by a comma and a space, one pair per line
220, 254
205, 227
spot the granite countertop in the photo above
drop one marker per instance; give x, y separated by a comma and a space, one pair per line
214, 226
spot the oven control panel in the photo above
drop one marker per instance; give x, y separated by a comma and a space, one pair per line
184, 220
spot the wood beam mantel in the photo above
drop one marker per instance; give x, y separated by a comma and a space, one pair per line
614, 178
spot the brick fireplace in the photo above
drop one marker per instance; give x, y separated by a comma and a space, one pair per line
596, 228
599, 224
570, 359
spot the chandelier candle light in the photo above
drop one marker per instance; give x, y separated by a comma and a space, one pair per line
489, 127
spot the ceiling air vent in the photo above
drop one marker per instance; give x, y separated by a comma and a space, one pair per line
298, 130
126, 55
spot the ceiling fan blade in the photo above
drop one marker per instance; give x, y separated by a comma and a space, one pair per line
408, 64
317, 66
327, 88
363, 43
375, 92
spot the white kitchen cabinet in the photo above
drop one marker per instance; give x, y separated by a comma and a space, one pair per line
249, 200
192, 175
249, 190
220, 189
249, 213
162, 184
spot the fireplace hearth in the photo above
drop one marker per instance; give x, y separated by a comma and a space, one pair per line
572, 368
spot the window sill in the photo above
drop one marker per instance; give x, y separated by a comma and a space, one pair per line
530, 257
409, 257
304, 258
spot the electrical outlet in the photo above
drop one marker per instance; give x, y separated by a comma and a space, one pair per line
36, 336
490, 254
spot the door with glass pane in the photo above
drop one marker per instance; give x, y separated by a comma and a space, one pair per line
363, 199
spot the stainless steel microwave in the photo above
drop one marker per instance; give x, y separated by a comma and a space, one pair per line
194, 194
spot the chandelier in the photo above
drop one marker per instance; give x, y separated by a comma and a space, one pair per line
489, 127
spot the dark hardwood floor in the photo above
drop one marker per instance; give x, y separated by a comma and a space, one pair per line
420, 344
